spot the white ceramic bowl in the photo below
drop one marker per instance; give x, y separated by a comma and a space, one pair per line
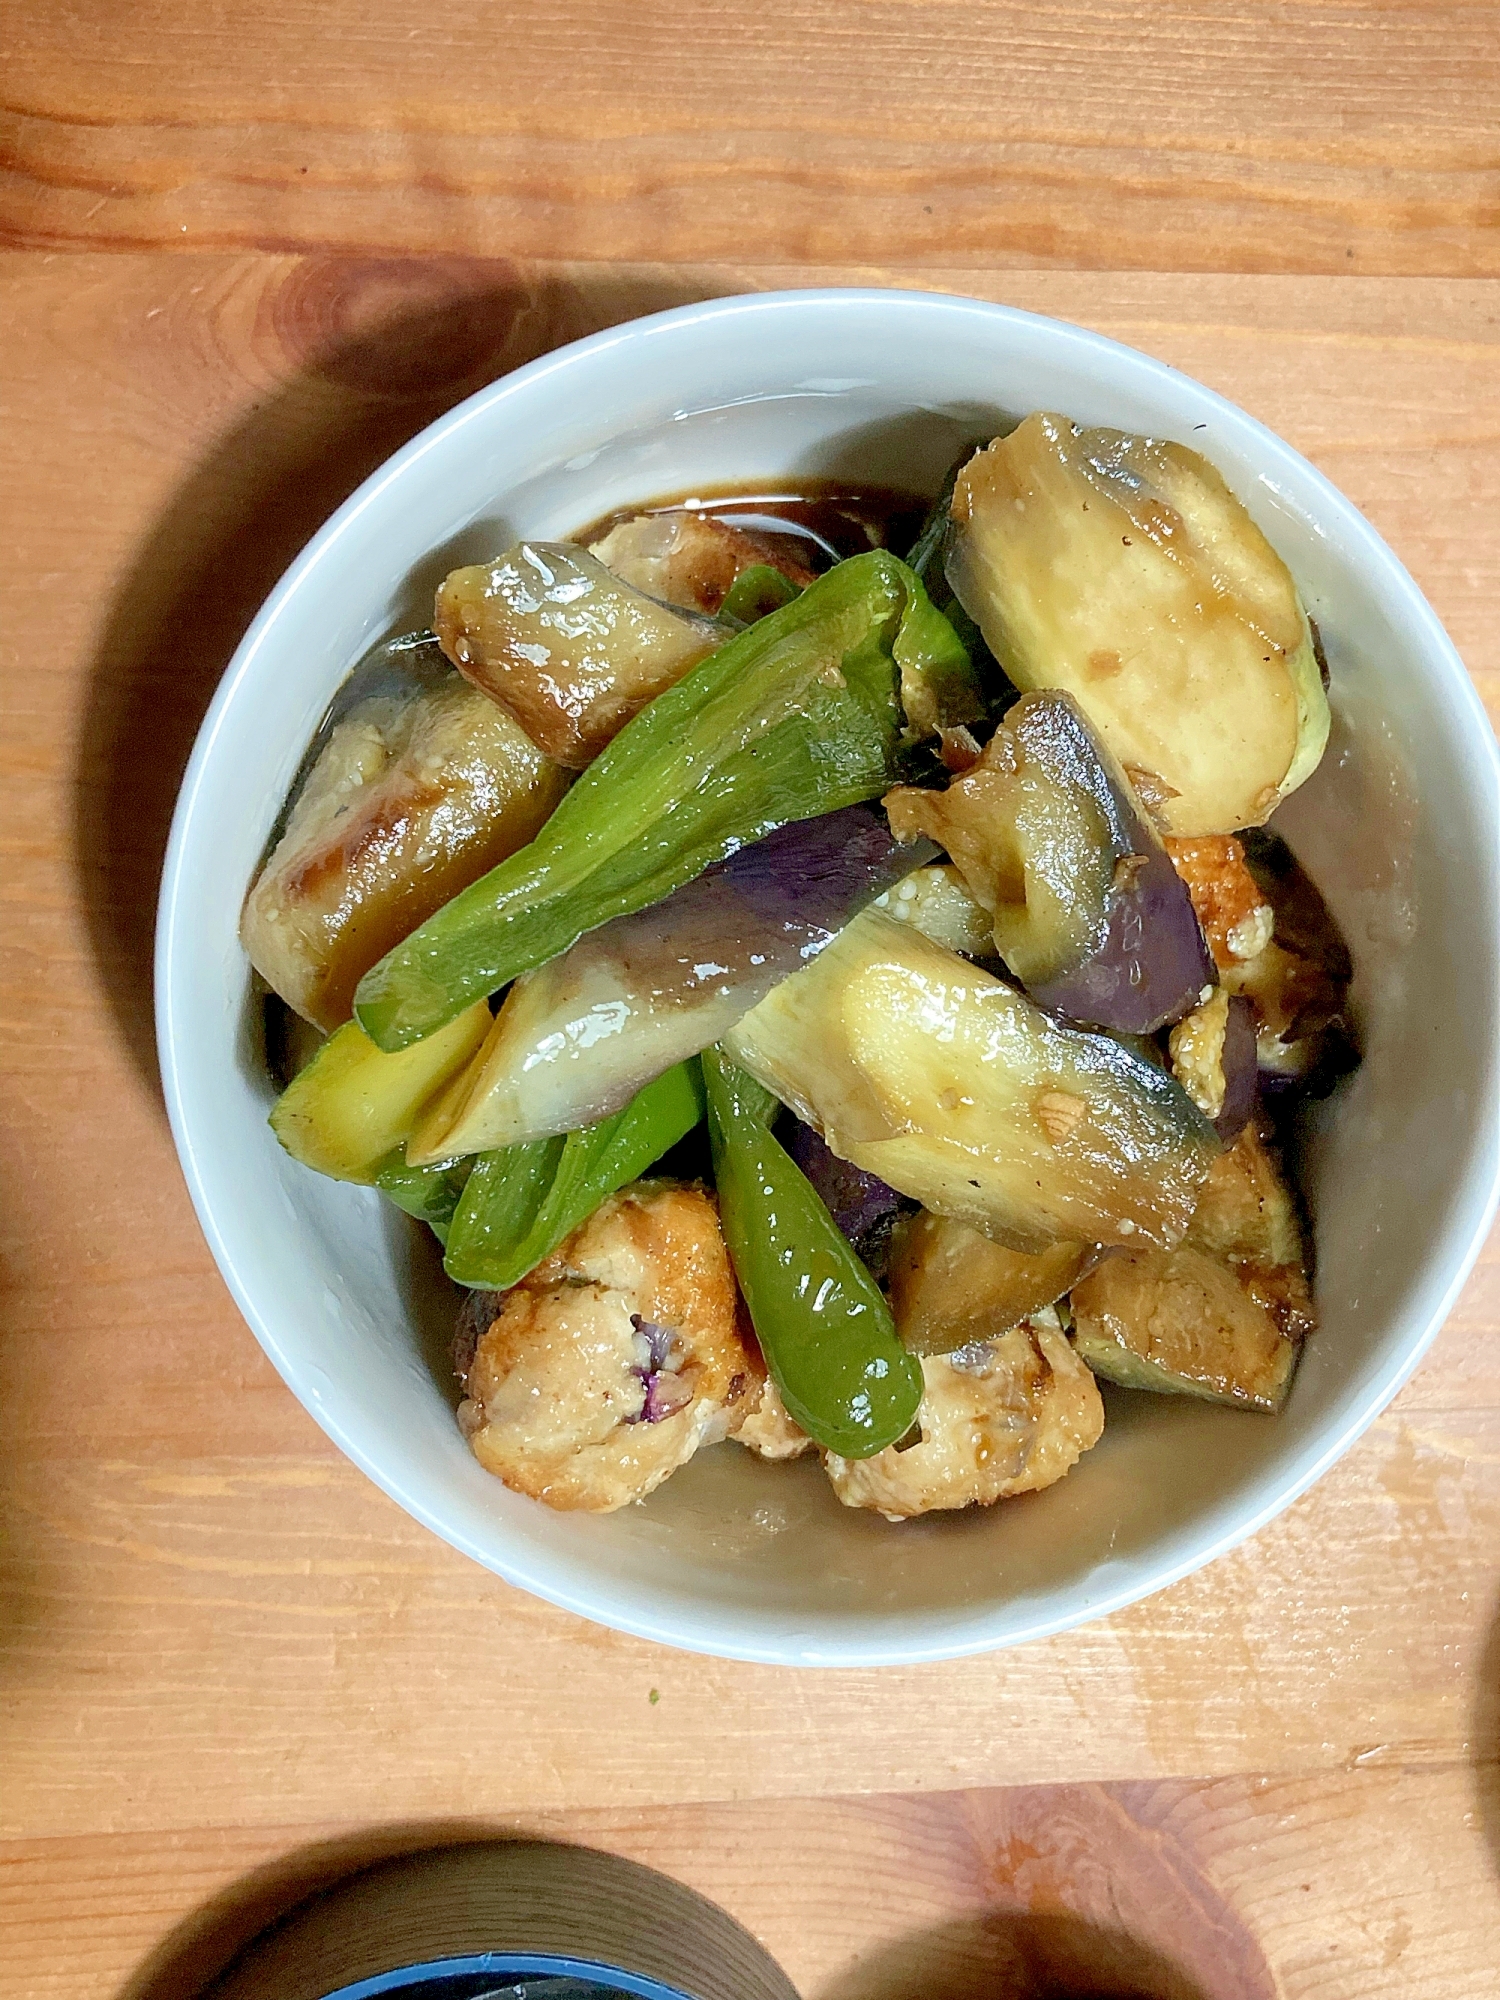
1400, 827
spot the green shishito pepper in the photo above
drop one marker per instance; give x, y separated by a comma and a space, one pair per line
755, 593
798, 715
431, 1194
521, 1201
821, 1319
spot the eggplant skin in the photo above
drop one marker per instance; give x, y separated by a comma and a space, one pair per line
576, 1038
409, 802
1088, 910
1214, 1058
865, 1210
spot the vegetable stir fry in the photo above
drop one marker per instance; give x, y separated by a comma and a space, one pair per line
837, 993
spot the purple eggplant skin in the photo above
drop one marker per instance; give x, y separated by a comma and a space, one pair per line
863, 1207
1298, 988
1148, 961
1238, 1060
476, 1315
578, 1036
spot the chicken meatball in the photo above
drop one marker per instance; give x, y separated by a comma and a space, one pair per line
607, 1367
769, 1431
1001, 1416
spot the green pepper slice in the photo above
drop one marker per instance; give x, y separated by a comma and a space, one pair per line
431, 1194
521, 1201
793, 717
821, 1319
756, 592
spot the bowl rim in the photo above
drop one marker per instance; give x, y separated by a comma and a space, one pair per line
1230, 1520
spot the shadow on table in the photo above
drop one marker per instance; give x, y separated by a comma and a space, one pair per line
1484, 1744
477, 1898
376, 349
1002, 1954
199, 1948
1010, 1955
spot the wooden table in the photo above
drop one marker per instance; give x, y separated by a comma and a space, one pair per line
251, 250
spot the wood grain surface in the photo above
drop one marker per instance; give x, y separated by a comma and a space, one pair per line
1298, 1888
228, 1665
1285, 135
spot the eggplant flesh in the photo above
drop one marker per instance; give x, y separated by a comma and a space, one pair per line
419, 787
692, 560
950, 1286
1088, 910
353, 1106
1222, 1315
579, 1036
957, 1091
1123, 569
1214, 1058
564, 646
1246, 1214
1179, 1322
936, 901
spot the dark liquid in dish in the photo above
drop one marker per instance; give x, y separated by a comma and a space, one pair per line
821, 523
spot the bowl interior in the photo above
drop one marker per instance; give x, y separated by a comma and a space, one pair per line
1398, 827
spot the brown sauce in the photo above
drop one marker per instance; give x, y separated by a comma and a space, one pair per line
821, 522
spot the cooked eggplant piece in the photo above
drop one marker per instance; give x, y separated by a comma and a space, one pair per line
564, 646
1089, 913
1246, 1216
950, 1286
1124, 570
956, 1090
1214, 1059
413, 796
1222, 1315
353, 1105
1298, 984
999, 1417
937, 902
579, 1036
793, 718
1239, 1062
865, 1209
1278, 950
1181, 1323
692, 559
